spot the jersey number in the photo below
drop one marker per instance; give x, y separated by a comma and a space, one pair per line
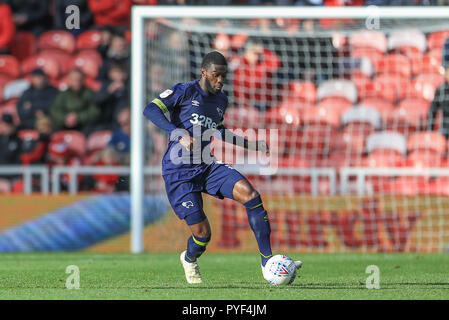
203, 121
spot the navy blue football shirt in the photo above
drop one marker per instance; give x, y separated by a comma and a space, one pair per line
198, 112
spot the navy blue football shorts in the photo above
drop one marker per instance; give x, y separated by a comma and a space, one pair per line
184, 188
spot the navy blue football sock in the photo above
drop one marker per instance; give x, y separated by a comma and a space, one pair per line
195, 247
259, 223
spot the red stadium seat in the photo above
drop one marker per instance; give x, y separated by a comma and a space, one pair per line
23, 45
57, 39
394, 64
283, 115
50, 66
9, 65
369, 39
327, 112
348, 143
420, 159
386, 141
75, 140
393, 87
372, 55
304, 91
424, 86
88, 40
409, 186
64, 59
429, 63
337, 88
425, 141
383, 158
89, 61
439, 187
435, 40
383, 106
409, 116
98, 140
242, 117
407, 41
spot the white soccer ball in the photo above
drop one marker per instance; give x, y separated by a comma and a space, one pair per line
280, 270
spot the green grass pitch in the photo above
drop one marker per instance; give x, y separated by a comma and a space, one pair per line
226, 276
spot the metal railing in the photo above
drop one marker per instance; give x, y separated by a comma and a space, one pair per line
344, 174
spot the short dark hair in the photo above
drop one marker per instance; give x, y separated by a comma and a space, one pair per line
213, 57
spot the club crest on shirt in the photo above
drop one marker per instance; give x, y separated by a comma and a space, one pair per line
166, 93
220, 112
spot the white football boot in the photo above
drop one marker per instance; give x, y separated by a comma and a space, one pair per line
191, 270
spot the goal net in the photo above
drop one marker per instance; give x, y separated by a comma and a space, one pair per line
361, 149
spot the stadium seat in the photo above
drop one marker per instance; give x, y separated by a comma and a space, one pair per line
337, 88
98, 140
427, 141
57, 39
368, 39
439, 187
282, 115
89, 39
383, 158
383, 106
429, 63
75, 140
292, 161
420, 159
406, 40
387, 140
347, 143
49, 65
303, 91
242, 117
394, 64
327, 112
406, 186
64, 59
363, 116
9, 65
409, 116
393, 87
371, 54
23, 45
14, 89
435, 40
424, 86
89, 61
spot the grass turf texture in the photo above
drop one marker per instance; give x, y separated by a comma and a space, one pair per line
226, 276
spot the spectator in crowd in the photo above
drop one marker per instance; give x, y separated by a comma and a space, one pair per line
10, 146
31, 15
7, 27
117, 53
60, 15
35, 150
253, 84
111, 12
120, 139
74, 109
35, 101
113, 95
105, 40
441, 98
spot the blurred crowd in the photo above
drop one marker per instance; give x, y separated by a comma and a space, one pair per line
77, 116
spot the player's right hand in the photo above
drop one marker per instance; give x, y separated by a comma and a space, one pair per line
187, 142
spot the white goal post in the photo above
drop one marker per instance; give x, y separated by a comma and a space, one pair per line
138, 77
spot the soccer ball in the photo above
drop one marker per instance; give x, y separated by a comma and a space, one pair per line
280, 270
